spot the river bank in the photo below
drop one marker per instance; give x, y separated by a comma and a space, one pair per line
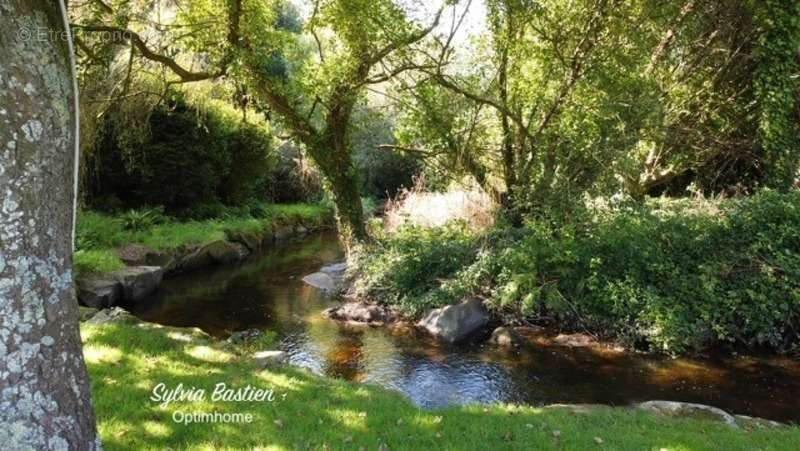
127, 360
670, 276
268, 293
123, 259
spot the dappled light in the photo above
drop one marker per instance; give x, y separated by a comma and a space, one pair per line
399, 224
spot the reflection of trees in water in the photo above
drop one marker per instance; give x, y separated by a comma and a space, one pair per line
263, 294
257, 294
345, 358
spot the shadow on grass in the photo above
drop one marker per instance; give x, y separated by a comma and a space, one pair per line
126, 361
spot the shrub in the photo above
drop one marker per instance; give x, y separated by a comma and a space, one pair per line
408, 268
137, 220
667, 275
189, 157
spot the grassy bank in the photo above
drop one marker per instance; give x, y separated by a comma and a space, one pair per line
98, 234
668, 275
127, 361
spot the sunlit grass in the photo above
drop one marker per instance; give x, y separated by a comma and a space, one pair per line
127, 360
102, 260
99, 234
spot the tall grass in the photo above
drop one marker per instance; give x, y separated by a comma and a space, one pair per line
416, 207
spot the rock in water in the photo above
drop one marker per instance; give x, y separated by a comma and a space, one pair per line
335, 269
455, 322
226, 253
688, 410
251, 240
138, 281
329, 278
99, 291
321, 281
361, 312
505, 336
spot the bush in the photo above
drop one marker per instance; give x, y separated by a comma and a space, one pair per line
406, 269
189, 158
138, 220
667, 275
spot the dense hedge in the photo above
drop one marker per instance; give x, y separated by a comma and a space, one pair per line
669, 275
188, 159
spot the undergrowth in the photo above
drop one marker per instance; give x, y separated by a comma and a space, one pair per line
668, 275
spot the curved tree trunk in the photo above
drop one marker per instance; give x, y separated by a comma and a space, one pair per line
332, 154
45, 399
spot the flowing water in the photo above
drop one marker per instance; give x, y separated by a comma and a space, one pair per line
267, 293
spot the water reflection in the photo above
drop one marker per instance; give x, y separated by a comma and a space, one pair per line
268, 293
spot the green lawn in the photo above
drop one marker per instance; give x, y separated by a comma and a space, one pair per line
127, 360
98, 233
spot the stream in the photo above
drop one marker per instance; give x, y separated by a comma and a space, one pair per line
267, 293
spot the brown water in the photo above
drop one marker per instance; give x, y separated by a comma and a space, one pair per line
268, 293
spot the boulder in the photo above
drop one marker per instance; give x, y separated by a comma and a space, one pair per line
265, 359
752, 423
86, 313
335, 269
138, 281
576, 340
282, 232
322, 281
251, 240
98, 291
192, 259
455, 322
225, 252
217, 252
300, 229
133, 254
112, 315
329, 278
361, 312
688, 410
140, 255
505, 336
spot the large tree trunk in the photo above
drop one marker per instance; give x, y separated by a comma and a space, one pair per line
45, 399
333, 156
349, 211
332, 153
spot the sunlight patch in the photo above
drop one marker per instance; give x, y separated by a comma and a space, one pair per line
208, 354
155, 429
102, 354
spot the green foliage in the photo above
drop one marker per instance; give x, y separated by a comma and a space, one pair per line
102, 232
669, 275
778, 86
406, 269
138, 220
96, 261
382, 172
190, 157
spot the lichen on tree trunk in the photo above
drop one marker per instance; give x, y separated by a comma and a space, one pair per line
45, 399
